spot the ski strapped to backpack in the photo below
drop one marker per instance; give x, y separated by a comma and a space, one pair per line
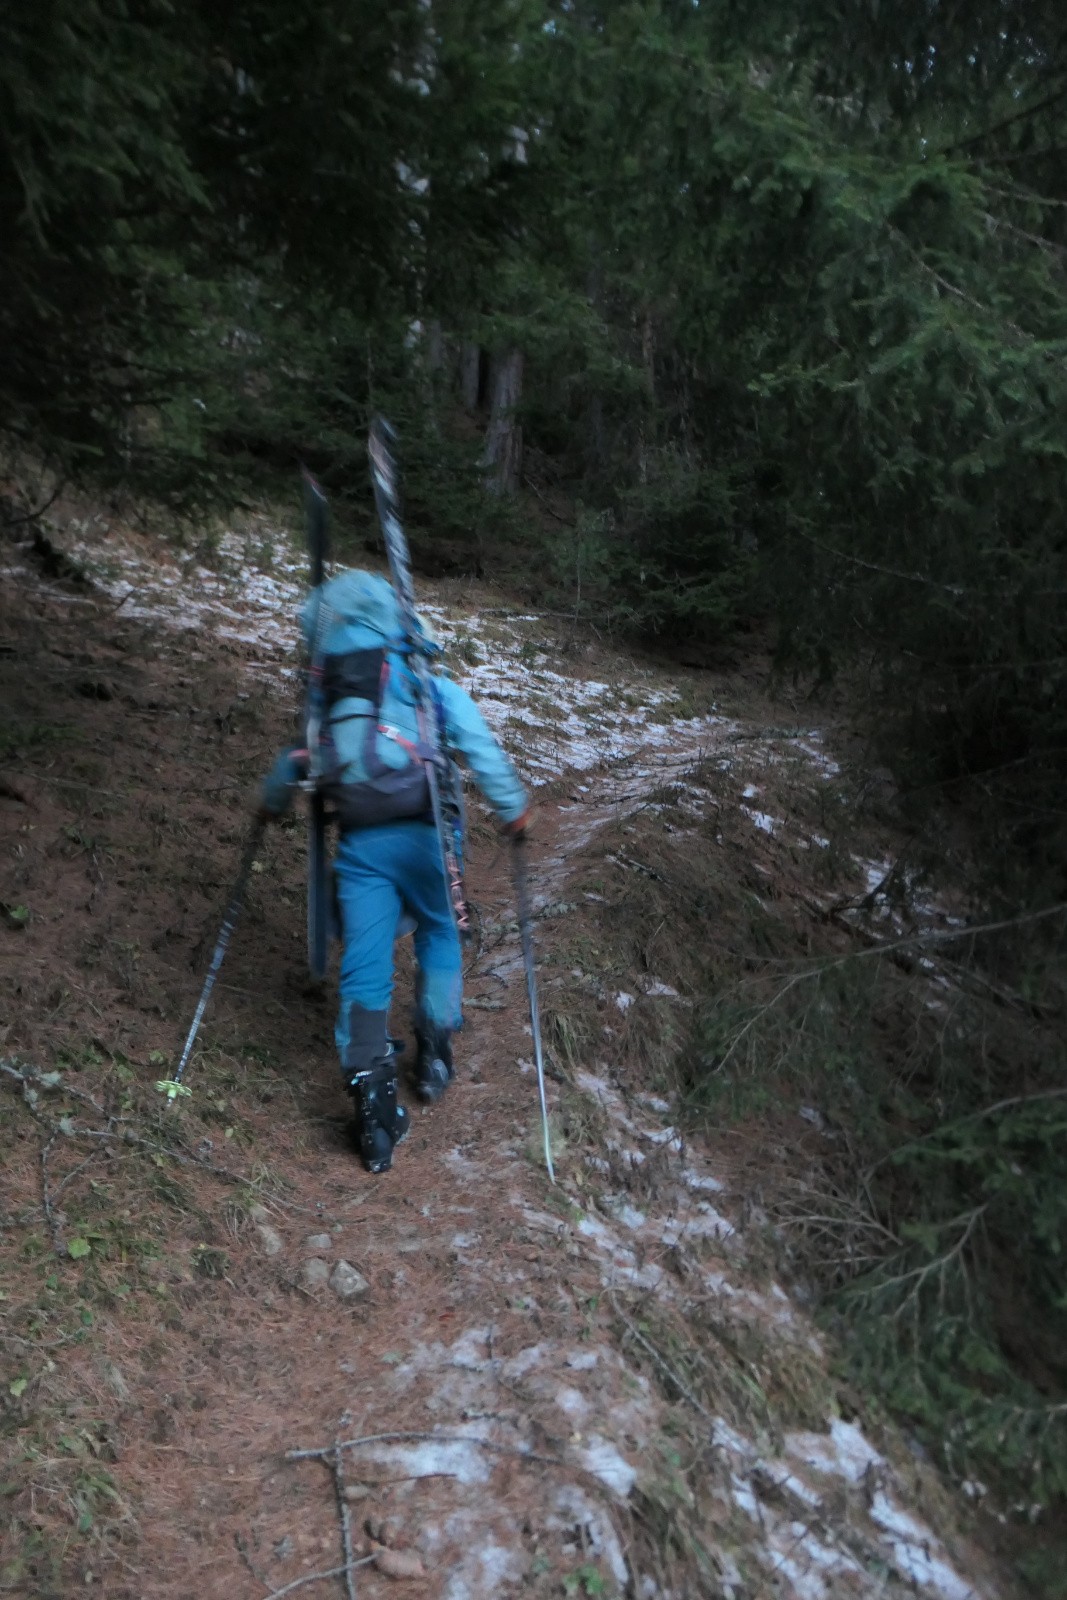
319, 913
445, 801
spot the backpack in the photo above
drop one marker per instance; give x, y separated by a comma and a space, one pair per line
371, 759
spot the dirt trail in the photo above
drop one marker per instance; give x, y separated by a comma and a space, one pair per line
506, 1356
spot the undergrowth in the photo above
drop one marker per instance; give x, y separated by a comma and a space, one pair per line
902, 1100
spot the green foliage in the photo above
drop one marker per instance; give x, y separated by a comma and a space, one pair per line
97, 187
936, 1216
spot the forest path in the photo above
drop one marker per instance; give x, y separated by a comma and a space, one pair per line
525, 1340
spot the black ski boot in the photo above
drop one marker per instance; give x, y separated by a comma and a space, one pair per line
380, 1122
433, 1064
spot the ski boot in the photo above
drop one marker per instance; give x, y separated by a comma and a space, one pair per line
433, 1064
380, 1122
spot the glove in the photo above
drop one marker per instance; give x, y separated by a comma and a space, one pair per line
276, 794
519, 829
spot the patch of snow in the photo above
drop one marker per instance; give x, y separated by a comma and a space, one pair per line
629, 1216
431, 1458
705, 1224
582, 1360
763, 821
843, 1452
603, 1460
875, 872
571, 1402
517, 1366
486, 1568
915, 1551
694, 1181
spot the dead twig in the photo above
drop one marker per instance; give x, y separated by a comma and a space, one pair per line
73, 1173
337, 1467
46, 1197
432, 1438
636, 866
317, 1577
31, 516
32, 1081
406, 1477
33, 1344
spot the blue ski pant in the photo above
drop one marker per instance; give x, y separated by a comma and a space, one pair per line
383, 873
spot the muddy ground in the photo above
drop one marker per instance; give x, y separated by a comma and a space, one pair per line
515, 1358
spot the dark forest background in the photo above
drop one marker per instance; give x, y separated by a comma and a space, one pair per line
725, 321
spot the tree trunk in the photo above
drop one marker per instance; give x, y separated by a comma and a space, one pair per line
648, 360
503, 440
470, 375
436, 353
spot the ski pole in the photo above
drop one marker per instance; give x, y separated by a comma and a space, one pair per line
315, 735
522, 895
173, 1087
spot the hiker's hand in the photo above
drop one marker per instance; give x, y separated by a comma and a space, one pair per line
280, 784
519, 830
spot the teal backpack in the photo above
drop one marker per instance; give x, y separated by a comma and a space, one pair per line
371, 760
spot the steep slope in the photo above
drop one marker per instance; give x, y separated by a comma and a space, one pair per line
593, 1388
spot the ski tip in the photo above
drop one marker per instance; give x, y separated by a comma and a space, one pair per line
312, 484
381, 441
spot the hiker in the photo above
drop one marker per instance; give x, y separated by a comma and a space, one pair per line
388, 868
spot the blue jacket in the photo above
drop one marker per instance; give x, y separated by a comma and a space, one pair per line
361, 618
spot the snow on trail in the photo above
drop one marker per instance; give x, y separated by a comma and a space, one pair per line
552, 721
782, 1522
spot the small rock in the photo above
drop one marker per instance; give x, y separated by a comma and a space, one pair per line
315, 1273
388, 1531
398, 1563
319, 1241
346, 1282
269, 1238
356, 1491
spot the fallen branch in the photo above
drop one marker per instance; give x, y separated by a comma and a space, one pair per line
31, 516
337, 1466
33, 1082
927, 936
